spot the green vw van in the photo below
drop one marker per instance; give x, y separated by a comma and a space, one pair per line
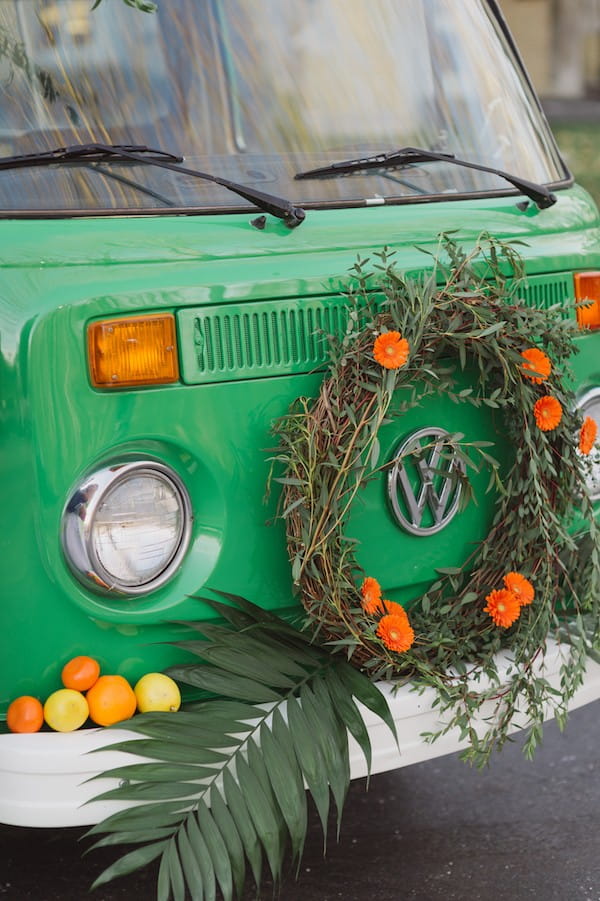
182, 195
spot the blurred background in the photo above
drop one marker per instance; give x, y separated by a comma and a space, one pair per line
560, 44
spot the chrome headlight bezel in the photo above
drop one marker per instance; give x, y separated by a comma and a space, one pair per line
79, 518
590, 401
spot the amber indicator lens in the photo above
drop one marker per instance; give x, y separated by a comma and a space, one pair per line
587, 287
137, 350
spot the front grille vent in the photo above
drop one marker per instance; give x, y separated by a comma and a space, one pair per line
260, 339
546, 291
230, 342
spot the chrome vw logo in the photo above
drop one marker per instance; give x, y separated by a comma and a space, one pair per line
423, 484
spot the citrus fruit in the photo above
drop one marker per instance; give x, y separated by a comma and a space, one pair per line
80, 673
111, 699
66, 710
25, 714
155, 691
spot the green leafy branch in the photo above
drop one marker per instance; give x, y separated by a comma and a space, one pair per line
225, 787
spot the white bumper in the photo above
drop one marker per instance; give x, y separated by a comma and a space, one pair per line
43, 776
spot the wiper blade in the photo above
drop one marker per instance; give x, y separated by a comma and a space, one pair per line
409, 155
86, 153
269, 203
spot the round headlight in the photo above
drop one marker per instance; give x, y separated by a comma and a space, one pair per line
127, 527
589, 405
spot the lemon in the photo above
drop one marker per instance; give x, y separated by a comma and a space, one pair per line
155, 691
66, 710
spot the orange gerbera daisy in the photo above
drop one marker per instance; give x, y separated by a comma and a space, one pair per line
391, 350
537, 362
503, 606
371, 594
587, 435
394, 609
395, 632
548, 412
520, 587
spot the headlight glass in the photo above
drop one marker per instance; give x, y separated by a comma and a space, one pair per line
127, 527
137, 529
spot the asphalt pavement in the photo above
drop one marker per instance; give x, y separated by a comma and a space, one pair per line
436, 831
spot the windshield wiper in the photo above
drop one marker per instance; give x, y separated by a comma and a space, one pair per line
409, 155
139, 153
86, 153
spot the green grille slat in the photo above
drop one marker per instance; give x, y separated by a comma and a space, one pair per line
229, 342
257, 340
545, 291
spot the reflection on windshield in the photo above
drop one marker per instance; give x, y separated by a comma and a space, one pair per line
255, 92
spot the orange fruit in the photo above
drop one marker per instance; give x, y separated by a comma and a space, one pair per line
66, 710
80, 673
156, 691
111, 699
25, 714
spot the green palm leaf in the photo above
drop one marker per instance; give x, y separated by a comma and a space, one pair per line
204, 822
288, 788
224, 784
310, 758
175, 871
131, 862
196, 863
231, 839
237, 805
333, 751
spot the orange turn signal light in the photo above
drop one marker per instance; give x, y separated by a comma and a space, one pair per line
587, 287
133, 350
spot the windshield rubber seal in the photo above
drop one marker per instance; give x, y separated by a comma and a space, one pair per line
370, 203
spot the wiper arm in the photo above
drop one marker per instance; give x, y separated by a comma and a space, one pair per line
408, 155
269, 203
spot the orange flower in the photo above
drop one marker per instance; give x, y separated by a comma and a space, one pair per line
519, 586
395, 632
503, 606
375, 605
548, 412
537, 362
391, 350
394, 609
371, 594
587, 435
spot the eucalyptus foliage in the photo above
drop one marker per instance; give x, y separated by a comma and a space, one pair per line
464, 317
224, 784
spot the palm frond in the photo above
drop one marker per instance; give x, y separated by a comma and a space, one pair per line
223, 786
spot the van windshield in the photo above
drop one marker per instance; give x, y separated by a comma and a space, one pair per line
255, 92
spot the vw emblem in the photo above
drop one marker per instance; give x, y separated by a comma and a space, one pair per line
424, 486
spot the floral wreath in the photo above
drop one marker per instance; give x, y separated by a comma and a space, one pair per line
530, 575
